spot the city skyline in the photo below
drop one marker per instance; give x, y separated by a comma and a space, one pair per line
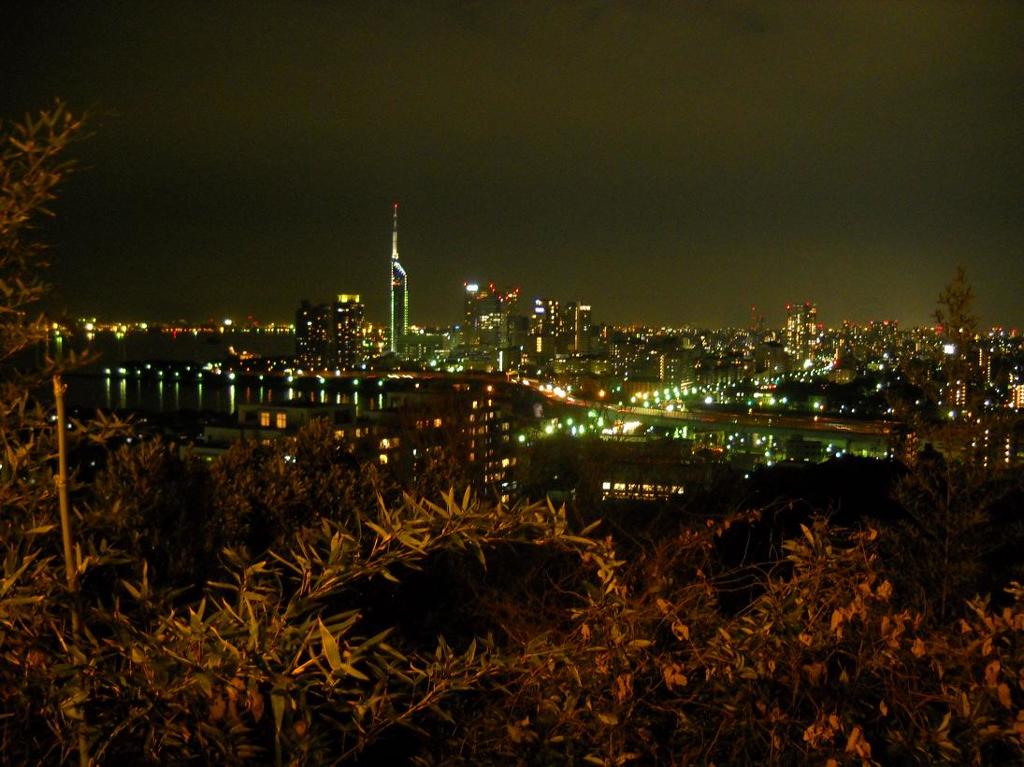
667, 164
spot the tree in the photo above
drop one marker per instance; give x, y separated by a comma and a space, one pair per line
35, 603
956, 482
33, 164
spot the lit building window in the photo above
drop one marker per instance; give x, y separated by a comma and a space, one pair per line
281, 420
264, 419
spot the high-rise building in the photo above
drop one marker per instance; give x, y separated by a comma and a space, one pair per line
312, 336
347, 329
399, 294
801, 331
577, 327
547, 317
329, 336
487, 315
546, 328
469, 314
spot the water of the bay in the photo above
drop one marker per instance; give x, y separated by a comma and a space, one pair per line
91, 387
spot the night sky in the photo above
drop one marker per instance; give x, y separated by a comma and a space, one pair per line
666, 162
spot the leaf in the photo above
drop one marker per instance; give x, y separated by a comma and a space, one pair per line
674, 676
992, 673
944, 724
608, 719
375, 639
856, 744
807, 534
41, 530
681, 630
918, 648
1003, 693
585, 542
884, 591
837, 620
330, 647
380, 531
352, 671
277, 703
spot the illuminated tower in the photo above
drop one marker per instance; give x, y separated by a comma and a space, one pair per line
399, 295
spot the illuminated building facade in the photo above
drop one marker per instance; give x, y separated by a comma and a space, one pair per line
313, 336
329, 336
492, 332
469, 310
546, 328
487, 315
577, 325
403, 424
398, 295
347, 329
801, 331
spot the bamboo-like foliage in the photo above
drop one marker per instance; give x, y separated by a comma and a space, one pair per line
289, 604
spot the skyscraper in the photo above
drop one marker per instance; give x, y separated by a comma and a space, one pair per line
330, 335
312, 336
348, 331
399, 295
487, 315
801, 331
546, 328
577, 327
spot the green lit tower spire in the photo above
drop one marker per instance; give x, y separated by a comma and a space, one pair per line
399, 295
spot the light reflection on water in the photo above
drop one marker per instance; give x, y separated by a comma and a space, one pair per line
151, 395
